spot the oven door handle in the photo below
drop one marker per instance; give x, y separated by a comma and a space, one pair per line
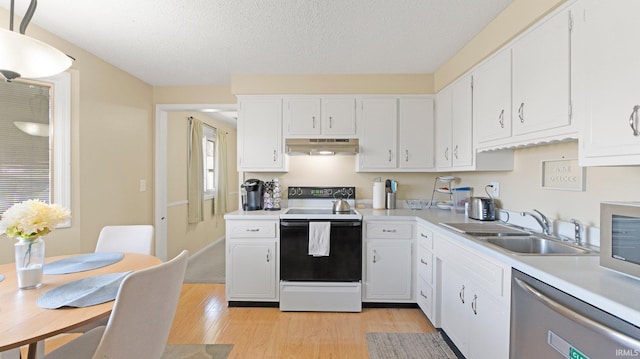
585, 321
333, 224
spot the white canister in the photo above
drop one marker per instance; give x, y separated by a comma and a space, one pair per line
378, 195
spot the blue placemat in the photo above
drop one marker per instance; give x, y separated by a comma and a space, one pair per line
82, 263
1, 277
84, 292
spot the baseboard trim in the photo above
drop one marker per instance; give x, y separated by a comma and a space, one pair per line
239, 304
449, 342
389, 305
196, 254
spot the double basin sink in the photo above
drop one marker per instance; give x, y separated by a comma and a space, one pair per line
517, 241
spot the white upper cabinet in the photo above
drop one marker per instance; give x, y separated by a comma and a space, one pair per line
320, 116
396, 134
339, 116
492, 98
260, 145
415, 125
608, 61
454, 131
379, 127
541, 76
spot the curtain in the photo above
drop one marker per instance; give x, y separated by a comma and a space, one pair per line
220, 203
195, 173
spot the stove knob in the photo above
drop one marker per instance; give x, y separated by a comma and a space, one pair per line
299, 192
350, 192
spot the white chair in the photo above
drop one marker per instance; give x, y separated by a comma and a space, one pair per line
141, 319
130, 239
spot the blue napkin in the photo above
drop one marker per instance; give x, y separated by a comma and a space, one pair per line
84, 292
82, 263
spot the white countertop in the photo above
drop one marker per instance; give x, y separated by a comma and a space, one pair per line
580, 276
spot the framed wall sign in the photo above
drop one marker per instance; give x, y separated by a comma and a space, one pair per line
563, 174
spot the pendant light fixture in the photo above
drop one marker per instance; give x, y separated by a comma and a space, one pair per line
23, 56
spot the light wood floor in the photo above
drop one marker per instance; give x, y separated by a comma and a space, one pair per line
203, 317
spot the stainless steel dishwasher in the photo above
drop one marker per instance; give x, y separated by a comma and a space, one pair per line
548, 323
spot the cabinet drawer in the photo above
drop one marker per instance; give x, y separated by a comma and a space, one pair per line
251, 229
425, 264
424, 298
425, 237
389, 230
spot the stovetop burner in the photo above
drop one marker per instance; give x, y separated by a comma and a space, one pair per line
315, 203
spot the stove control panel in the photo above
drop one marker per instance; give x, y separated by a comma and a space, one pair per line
322, 192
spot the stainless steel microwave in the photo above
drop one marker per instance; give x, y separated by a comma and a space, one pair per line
620, 237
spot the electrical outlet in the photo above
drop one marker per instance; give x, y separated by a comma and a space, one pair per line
495, 189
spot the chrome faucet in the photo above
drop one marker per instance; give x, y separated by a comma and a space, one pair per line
578, 227
543, 221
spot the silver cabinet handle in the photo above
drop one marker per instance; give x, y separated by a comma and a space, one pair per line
424, 262
388, 230
268, 255
461, 294
389, 155
446, 153
474, 304
423, 295
501, 119
330, 122
375, 254
423, 235
313, 121
633, 120
406, 155
577, 317
455, 152
274, 156
521, 112
252, 230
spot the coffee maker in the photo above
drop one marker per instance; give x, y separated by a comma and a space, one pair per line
252, 195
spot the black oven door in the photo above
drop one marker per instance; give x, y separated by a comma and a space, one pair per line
344, 263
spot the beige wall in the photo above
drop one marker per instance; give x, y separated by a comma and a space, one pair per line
111, 150
180, 234
520, 189
332, 84
193, 95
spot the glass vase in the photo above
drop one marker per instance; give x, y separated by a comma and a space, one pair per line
29, 262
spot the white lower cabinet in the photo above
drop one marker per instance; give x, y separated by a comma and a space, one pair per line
474, 301
252, 260
388, 264
425, 270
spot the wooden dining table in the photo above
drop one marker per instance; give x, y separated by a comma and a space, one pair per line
23, 322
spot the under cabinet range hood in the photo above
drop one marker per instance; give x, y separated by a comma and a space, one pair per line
322, 146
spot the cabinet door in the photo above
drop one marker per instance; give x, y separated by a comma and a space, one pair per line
462, 123
303, 116
443, 128
388, 270
251, 270
454, 307
492, 98
379, 133
260, 147
610, 57
541, 77
488, 327
339, 116
415, 125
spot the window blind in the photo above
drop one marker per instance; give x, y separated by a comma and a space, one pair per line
24, 158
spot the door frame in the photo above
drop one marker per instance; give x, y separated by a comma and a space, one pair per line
160, 167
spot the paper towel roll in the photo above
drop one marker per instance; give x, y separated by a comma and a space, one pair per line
378, 195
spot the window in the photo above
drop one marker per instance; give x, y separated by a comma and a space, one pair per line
35, 141
209, 156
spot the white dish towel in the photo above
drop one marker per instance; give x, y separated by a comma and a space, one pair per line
319, 238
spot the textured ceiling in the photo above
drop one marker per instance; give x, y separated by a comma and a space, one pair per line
205, 42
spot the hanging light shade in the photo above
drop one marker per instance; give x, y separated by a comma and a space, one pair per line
23, 56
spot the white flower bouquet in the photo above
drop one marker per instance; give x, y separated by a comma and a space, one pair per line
31, 219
